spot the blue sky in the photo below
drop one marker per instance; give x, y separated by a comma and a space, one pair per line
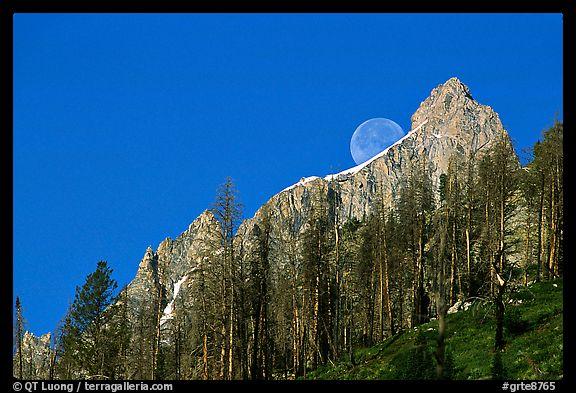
125, 125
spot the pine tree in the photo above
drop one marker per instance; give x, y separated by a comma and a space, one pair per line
548, 168
499, 169
414, 210
316, 249
86, 329
143, 342
228, 212
260, 303
528, 182
120, 332
66, 343
440, 241
350, 295
18, 339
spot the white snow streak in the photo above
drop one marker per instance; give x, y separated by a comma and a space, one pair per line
303, 181
170, 307
357, 168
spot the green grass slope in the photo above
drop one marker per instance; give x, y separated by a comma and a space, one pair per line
533, 333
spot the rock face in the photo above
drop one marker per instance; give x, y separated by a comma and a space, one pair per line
172, 266
448, 122
36, 357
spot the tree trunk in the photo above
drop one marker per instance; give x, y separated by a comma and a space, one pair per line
552, 242
156, 346
205, 357
255, 347
380, 294
540, 227
499, 337
231, 319
468, 256
387, 297
453, 265
350, 345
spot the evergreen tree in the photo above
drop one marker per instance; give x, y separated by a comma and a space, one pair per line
18, 340
547, 167
499, 169
260, 298
120, 332
317, 248
350, 295
414, 210
228, 212
87, 328
66, 348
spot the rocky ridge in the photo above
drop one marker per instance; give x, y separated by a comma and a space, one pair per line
447, 122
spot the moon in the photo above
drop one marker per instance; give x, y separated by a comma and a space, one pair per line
373, 136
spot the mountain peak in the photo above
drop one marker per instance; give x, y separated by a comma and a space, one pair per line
453, 86
206, 216
445, 93
148, 258
450, 106
205, 219
444, 99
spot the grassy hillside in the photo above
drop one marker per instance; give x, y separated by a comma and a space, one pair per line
533, 332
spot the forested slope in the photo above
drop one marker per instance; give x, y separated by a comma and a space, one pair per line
533, 350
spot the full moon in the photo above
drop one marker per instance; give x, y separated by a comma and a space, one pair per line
373, 136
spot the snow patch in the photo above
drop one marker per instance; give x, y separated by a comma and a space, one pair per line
170, 307
302, 181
